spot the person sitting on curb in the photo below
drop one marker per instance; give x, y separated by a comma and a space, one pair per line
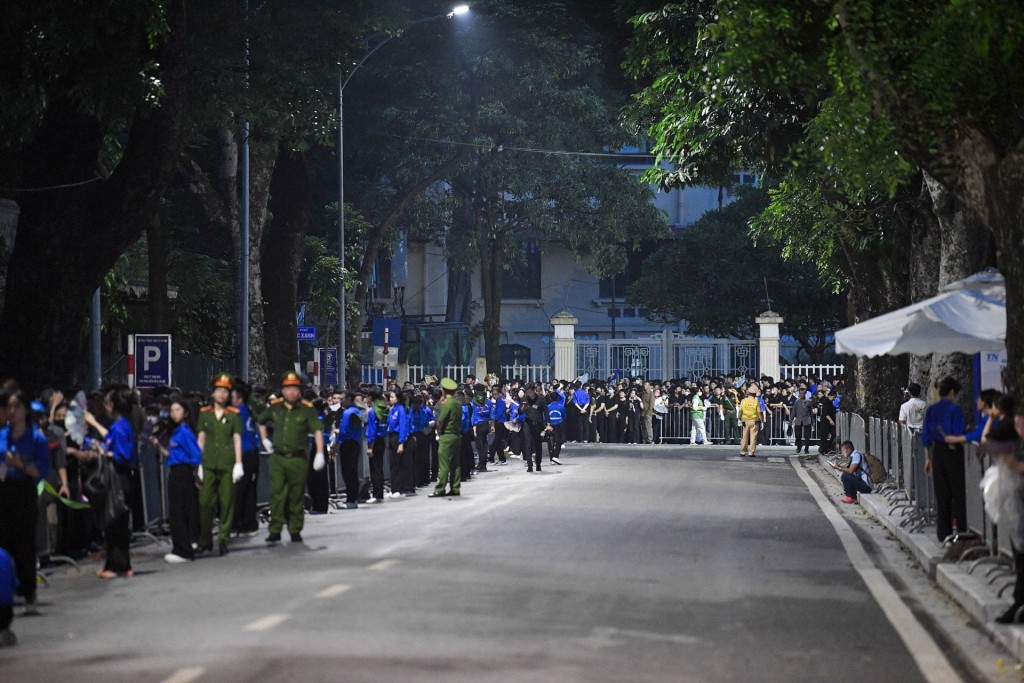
856, 478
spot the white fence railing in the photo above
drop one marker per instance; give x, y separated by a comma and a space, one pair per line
818, 371
457, 372
527, 373
658, 359
375, 375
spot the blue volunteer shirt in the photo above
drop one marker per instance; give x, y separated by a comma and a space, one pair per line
33, 449
250, 435
374, 429
350, 426
942, 419
975, 434
556, 412
467, 419
8, 579
398, 423
481, 413
183, 448
581, 398
121, 442
499, 410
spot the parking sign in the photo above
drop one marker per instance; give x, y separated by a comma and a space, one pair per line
149, 360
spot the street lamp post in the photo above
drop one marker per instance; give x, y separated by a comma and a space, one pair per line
343, 81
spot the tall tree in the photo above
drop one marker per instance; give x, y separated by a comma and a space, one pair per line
91, 127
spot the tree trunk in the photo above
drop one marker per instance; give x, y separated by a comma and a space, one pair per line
926, 245
962, 253
68, 239
156, 250
460, 268
285, 241
490, 290
374, 241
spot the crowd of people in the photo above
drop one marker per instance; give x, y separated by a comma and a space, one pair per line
71, 477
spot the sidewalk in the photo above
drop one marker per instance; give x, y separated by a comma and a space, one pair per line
975, 586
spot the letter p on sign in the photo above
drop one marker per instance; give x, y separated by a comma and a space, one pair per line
151, 356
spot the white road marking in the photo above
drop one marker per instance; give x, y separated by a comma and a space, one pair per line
185, 675
382, 565
267, 623
926, 653
333, 591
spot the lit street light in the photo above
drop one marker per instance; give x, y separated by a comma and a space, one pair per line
342, 82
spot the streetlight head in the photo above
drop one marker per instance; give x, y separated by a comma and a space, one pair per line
461, 9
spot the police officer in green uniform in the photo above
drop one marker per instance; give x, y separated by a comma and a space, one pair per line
449, 430
220, 439
294, 420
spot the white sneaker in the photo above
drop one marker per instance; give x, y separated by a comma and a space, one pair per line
556, 461
372, 501
398, 494
31, 609
171, 558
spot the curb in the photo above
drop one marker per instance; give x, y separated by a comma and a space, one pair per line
972, 592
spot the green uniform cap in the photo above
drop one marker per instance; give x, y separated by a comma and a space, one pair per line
449, 384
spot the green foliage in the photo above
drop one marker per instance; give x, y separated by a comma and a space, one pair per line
714, 277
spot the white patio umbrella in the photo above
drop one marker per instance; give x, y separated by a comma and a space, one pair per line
967, 316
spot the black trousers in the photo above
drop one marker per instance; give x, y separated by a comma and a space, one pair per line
245, 494
318, 487
466, 454
118, 533
401, 463
532, 442
950, 489
827, 442
500, 441
480, 438
376, 454
435, 463
583, 424
803, 436
349, 454
556, 437
183, 501
18, 515
6, 616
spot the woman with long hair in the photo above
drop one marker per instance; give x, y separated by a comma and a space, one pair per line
183, 459
402, 447
25, 457
119, 445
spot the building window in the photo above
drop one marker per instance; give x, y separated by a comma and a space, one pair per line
522, 281
617, 287
382, 277
515, 354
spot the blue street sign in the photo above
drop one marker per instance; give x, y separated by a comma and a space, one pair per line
330, 357
307, 334
151, 360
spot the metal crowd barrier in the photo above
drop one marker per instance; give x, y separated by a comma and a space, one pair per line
910, 492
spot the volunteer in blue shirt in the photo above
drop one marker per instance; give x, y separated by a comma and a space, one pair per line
376, 442
944, 426
350, 440
8, 586
120, 446
25, 459
481, 427
499, 414
420, 419
581, 411
402, 448
556, 426
184, 458
467, 433
246, 523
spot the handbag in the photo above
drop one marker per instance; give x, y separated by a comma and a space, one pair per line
104, 485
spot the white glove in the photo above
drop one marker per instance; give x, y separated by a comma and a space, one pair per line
268, 445
318, 462
199, 474
237, 473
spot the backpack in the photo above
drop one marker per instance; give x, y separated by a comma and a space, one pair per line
875, 468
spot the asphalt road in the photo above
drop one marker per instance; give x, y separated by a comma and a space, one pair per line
623, 564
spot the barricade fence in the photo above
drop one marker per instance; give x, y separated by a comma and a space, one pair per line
820, 371
909, 486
